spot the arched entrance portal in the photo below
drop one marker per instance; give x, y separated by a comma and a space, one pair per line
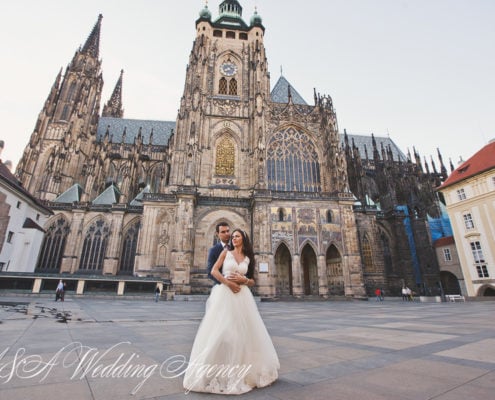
334, 271
486, 291
310, 271
283, 266
450, 283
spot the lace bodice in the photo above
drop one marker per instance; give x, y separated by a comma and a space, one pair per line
230, 265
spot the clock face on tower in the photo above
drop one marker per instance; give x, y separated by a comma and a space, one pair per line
228, 68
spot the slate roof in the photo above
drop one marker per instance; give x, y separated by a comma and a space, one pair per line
280, 93
71, 195
109, 196
366, 140
162, 130
138, 200
480, 162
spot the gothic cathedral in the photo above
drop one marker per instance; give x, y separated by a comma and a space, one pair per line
142, 198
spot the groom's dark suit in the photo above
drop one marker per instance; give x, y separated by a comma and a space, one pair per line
213, 255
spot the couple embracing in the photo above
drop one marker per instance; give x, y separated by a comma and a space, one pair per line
232, 352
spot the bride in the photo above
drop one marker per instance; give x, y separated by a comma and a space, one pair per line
232, 352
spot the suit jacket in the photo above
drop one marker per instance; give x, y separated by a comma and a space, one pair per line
213, 255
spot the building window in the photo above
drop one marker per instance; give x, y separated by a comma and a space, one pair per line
230, 35
479, 260
482, 271
225, 158
129, 250
233, 87
446, 255
281, 214
292, 162
53, 247
222, 86
243, 36
468, 221
329, 217
95, 247
19, 204
367, 256
10, 236
217, 33
461, 194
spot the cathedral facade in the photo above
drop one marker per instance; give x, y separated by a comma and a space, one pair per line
142, 198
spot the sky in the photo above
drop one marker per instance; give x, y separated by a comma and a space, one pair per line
419, 71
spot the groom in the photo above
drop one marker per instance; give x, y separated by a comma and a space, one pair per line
223, 232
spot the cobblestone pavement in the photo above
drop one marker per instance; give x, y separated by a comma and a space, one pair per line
82, 348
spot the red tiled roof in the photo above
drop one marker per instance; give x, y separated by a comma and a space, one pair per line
444, 241
482, 161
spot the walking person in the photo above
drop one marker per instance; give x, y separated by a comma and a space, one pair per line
59, 292
232, 352
157, 294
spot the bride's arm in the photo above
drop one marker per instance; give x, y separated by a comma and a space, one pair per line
215, 272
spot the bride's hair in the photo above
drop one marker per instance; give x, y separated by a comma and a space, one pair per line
247, 249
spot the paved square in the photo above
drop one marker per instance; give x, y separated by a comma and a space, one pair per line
89, 348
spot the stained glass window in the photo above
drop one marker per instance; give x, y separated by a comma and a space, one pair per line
129, 250
94, 247
53, 246
292, 162
225, 158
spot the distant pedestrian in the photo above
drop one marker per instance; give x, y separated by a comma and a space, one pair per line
59, 292
409, 294
404, 293
382, 294
378, 294
157, 294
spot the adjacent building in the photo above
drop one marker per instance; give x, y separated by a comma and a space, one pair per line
469, 194
22, 218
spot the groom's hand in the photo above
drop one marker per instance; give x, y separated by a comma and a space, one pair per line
233, 286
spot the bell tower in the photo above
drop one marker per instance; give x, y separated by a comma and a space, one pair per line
65, 131
226, 90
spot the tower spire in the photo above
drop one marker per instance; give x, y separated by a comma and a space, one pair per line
92, 45
113, 108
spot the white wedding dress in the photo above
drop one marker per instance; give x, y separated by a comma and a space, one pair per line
232, 352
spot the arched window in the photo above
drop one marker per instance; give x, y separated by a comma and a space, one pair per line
222, 86
292, 162
65, 113
281, 214
225, 158
329, 217
94, 247
156, 179
129, 250
367, 255
53, 246
71, 92
233, 87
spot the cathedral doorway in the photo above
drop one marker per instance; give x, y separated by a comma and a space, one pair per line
283, 268
335, 271
310, 271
